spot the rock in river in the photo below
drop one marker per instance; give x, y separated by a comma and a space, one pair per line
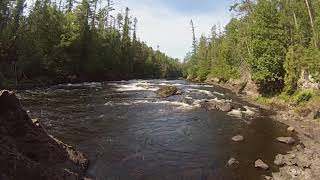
238, 138
232, 161
287, 140
167, 91
260, 164
216, 105
28, 152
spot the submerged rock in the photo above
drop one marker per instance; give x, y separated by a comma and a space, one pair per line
286, 140
238, 138
260, 164
167, 91
215, 105
267, 177
28, 152
232, 161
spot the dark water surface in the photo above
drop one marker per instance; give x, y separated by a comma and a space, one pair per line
129, 133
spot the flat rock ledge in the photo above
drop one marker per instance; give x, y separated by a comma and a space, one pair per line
28, 152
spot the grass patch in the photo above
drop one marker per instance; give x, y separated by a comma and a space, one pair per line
302, 97
264, 100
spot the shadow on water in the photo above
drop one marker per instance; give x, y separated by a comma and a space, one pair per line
129, 133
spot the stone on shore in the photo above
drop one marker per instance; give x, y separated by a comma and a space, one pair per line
260, 164
28, 152
286, 140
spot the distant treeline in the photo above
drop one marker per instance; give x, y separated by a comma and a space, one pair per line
269, 41
65, 41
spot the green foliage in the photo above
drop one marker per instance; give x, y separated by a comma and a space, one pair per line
293, 68
271, 42
79, 43
303, 96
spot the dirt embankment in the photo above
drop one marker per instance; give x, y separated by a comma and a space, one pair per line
303, 162
28, 152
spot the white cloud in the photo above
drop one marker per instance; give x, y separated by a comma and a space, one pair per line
159, 25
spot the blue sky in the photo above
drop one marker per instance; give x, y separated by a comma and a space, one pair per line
166, 22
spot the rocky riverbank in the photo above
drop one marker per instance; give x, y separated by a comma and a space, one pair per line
28, 152
303, 162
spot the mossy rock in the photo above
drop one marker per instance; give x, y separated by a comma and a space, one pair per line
167, 91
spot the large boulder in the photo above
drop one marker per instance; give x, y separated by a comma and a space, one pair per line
217, 105
167, 91
28, 152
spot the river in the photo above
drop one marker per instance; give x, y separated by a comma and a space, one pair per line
129, 133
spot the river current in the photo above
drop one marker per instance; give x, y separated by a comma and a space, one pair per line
128, 132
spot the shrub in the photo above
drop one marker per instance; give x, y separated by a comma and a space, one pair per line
303, 96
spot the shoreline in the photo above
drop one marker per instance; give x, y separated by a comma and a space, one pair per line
307, 131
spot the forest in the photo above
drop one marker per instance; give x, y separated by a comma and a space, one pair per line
52, 41
268, 41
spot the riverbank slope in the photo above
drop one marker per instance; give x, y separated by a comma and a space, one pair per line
303, 119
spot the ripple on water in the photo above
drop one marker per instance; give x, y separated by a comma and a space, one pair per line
129, 133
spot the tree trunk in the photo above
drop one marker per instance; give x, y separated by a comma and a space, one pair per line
311, 21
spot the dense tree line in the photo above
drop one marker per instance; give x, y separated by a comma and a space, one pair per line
67, 40
270, 41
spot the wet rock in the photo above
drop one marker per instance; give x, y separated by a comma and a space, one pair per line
260, 164
28, 152
167, 91
215, 105
290, 129
286, 140
238, 138
233, 161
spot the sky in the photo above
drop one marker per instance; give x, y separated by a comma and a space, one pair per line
166, 23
